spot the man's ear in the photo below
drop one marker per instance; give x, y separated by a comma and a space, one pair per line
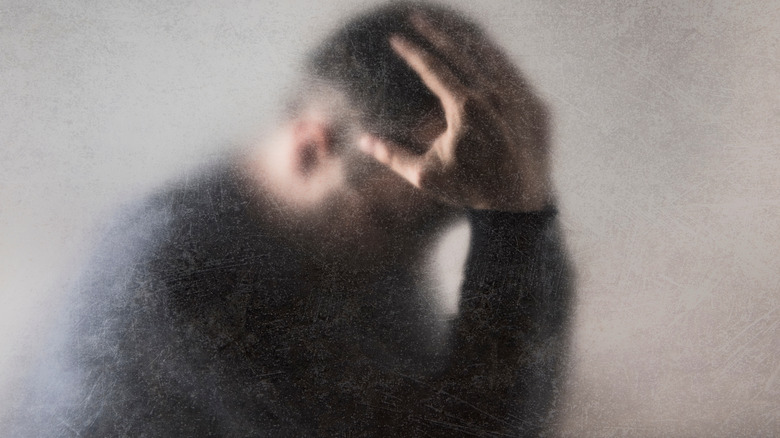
313, 145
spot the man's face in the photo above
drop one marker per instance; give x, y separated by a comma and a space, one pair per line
359, 208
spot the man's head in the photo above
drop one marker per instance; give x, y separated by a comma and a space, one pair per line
388, 97
355, 83
358, 61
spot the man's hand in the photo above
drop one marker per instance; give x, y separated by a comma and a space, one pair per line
493, 154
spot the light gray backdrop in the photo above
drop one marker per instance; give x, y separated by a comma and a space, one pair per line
667, 164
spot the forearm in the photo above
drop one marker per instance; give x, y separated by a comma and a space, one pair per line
509, 338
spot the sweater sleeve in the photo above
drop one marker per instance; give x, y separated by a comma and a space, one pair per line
510, 334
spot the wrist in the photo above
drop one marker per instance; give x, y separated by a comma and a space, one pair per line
518, 202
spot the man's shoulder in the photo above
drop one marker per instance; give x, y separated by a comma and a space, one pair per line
207, 197
200, 205
192, 251
192, 229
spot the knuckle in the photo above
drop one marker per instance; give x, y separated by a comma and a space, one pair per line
383, 155
465, 110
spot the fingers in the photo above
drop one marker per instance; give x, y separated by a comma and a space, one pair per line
398, 159
444, 42
434, 74
467, 48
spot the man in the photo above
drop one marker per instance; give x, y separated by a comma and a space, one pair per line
282, 294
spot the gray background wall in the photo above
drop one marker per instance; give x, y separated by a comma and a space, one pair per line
667, 164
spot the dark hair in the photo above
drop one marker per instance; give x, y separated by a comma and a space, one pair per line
358, 60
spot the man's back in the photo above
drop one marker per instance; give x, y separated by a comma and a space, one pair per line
198, 320
213, 323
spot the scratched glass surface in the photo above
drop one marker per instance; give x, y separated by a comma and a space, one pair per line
665, 165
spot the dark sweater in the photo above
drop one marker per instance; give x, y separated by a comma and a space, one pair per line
197, 320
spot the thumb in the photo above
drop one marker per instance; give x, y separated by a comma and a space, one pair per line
396, 157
